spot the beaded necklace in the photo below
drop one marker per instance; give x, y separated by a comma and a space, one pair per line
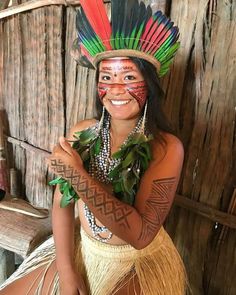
100, 167
123, 170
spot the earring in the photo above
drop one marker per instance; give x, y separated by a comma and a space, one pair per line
144, 118
102, 118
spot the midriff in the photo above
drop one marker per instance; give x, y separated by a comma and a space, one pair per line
84, 223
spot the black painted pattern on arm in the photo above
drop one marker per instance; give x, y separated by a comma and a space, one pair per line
93, 195
156, 206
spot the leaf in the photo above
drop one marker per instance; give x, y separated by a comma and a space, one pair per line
127, 198
138, 138
77, 134
114, 172
76, 145
129, 182
142, 154
144, 163
87, 136
84, 155
97, 146
129, 159
137, 175
57, 180
147, 149
64, 201
117, 187
118, 154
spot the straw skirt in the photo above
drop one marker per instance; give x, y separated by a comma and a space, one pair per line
158, 267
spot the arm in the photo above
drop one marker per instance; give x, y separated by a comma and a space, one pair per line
63, 223
71, 282
136, 225
63, 233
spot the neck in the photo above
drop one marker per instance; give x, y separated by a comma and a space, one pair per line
122, 127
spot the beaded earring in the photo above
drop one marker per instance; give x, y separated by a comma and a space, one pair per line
142, 129
102, 118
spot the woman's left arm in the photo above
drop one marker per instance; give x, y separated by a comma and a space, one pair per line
136, 225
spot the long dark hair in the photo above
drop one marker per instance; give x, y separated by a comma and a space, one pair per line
156, 118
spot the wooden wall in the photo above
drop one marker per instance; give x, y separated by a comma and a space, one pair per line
43, 93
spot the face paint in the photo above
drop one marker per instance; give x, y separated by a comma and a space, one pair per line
117, 65
137, 90
117, 70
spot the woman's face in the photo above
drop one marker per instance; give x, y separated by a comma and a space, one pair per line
121, 88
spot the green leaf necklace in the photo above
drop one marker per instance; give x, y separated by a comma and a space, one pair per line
123, 169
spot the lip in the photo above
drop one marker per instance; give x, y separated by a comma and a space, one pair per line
119, 102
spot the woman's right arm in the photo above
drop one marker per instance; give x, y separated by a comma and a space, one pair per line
63, 223
63, 232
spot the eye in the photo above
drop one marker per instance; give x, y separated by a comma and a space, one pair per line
105, 78
130, 77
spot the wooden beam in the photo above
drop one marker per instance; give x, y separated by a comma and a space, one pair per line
27, 146
206, 211
37, 4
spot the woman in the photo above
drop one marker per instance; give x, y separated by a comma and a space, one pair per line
120, 246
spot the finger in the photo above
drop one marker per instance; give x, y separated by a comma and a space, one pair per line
57, 149
65, 145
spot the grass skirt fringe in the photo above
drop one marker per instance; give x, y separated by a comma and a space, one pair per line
158, 266
44, 255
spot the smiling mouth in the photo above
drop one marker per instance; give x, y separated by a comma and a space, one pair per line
120, 102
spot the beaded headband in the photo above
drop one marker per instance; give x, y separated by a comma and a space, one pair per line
134, 31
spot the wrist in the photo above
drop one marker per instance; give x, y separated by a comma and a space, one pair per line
65, 269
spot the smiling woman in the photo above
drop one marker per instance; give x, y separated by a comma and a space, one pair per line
121, 171
122, 88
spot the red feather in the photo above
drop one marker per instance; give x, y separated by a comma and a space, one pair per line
97, 16
157, 36
160, 40
149, 35
148, 27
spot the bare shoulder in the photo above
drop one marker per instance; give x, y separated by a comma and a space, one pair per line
173, 142
84, 124
172, 147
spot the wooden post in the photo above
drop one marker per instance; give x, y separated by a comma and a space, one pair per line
7, 259
7, 266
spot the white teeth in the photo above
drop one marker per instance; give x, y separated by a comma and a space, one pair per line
119, 102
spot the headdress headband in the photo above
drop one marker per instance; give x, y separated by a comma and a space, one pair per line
134, 32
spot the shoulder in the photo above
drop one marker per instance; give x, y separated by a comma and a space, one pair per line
170, 149
84, 124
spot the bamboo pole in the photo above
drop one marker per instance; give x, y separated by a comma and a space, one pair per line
33, 4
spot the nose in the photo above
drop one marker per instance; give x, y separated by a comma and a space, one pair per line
117, 89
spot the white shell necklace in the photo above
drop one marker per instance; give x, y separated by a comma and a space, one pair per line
100, 167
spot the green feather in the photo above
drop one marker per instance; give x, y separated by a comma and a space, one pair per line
137, 39
131, 40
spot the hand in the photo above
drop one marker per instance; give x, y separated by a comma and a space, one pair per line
63, 159
72, 283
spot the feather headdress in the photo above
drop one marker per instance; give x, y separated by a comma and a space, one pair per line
134, 31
